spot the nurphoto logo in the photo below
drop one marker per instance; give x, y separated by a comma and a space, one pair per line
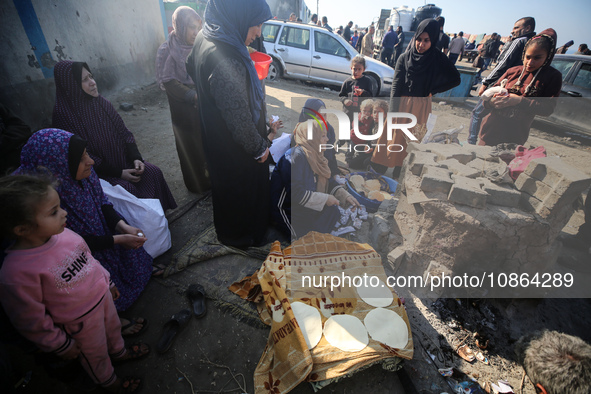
344, 130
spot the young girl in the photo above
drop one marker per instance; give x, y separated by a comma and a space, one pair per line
513, 113
54, 292
420, 72
355, 158
355, 88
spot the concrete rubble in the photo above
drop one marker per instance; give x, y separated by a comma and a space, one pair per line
452, 217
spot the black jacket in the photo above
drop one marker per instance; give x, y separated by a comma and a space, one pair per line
509, 58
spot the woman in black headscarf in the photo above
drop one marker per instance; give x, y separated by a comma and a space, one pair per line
420, 72
235, 136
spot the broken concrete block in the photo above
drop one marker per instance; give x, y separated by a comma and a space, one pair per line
482, 152
396, 257
451, 151
435, 183
418, 159
437, 271
436, 171
467, 192
459, 169
532, 186
502, 195
531, 204
557, 174
378, 234
415, 146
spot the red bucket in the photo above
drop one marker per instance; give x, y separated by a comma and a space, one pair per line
261, 63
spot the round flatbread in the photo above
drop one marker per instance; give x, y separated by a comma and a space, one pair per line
387, 327
346, 333
379, 296
310, 323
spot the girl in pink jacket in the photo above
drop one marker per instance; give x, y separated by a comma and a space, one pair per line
54, 292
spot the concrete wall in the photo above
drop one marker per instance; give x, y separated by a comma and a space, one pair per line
118, 40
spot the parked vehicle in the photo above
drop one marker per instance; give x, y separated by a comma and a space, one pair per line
573, 109
312, 53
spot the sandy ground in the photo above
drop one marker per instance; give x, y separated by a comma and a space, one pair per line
212, 349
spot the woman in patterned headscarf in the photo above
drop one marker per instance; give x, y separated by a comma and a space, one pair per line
80, 109
112, 241
172, 76
232, 105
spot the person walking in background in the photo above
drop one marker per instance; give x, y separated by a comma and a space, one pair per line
354, 39
456, 47
522, 31
313, 20
562, 50
325, 24
360, 40
399, 46
292, 17
490, 47
443, 41
347, 32
172, 76
420, 72
583, 50
390, 39
367, 44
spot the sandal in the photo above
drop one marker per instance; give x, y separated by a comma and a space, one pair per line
158, 270
135, 351
132, 322
125, 385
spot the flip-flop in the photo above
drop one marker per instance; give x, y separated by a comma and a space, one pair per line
158, 270
171, 328
133, 321
196, 294
130, 381
133, 352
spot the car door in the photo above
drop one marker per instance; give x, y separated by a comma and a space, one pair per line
572, 108
331, 61
293, 47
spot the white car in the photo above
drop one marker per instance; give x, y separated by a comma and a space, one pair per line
312, 53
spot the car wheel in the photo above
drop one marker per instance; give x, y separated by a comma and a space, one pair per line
274, 71
375, 84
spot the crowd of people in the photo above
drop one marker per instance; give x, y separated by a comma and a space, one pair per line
73, 262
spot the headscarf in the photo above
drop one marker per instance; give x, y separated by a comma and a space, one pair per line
172, 55
418, 64
228, 21
92, 118
53, 150
548, 34
316, 159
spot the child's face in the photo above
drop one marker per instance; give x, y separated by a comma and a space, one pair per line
357, 70
376, 114
366, 113
85, 166
50, 218
534, 58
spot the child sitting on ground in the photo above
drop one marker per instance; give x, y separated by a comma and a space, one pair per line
355, 88
54, 292
355, 158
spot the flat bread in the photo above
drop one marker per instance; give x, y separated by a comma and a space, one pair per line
310, 323
387, 327
375, 195
357, 181
378, 296
346, 332
373, 184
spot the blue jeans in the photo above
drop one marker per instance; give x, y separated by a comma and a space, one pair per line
478, 113
487, 61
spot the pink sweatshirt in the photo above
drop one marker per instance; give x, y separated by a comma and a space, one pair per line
56, 283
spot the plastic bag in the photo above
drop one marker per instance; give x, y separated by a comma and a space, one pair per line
522, 158
143, 213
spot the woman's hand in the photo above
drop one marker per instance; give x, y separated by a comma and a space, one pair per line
332, 200
73, 352
129, 241
504, 101
115, 293
130, 175
264, 156
353, 202
139, 167
274, 127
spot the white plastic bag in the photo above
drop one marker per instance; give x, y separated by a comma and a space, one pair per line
143, 213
